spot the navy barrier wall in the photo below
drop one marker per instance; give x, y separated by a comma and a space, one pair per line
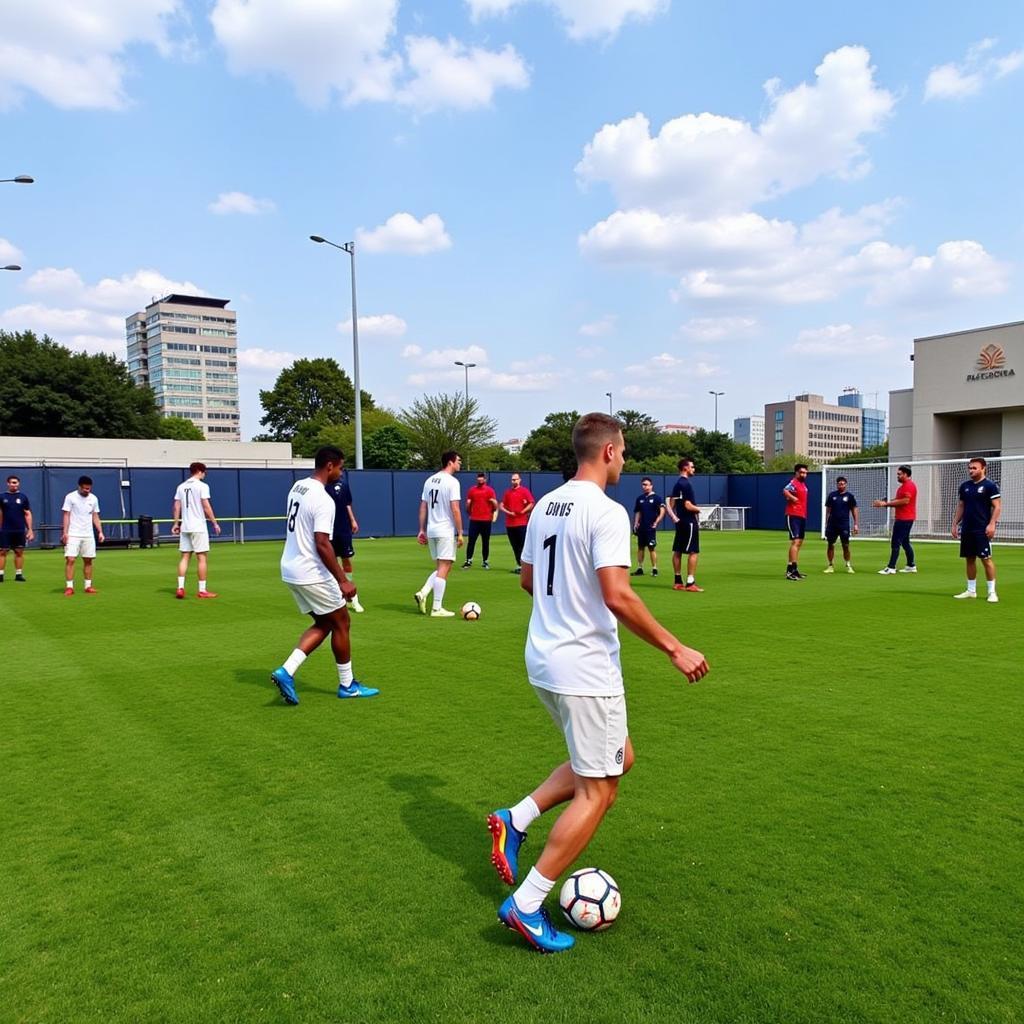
386, 503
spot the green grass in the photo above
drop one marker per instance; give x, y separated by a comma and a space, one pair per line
828, 828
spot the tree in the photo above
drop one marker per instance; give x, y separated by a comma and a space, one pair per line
177, 428
784, 462
876, 453
437, 423
642, 434
549, 446
47, 390
317, 433
387, 447
316, 391
498, 457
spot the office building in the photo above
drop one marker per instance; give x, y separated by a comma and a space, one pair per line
872, 420
749, 430
807, 426
185, 348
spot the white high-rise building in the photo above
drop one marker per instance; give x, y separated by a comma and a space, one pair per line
749, 430
185, 348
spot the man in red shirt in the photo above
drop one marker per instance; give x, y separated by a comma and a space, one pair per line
482, 506
905, 504
795, 493
517, 504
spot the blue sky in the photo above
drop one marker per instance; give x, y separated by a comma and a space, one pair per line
652, 198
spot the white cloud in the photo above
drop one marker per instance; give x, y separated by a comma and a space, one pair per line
584, 19
264, 360
126, 294
705, 329
9, 252
402, 232
599, 328
76, 57
954, 81
83, 330
840, 340
445, 357
958, 270
384, 324
411, 351
241, 202
438, 369
657, 364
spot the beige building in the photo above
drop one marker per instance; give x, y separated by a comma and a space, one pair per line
967, 398
808, 426
185, 348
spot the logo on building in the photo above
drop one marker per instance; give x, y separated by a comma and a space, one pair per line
990, 364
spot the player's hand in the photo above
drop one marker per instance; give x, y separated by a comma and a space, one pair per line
990, 530
348, 590
176, 529
691, 663
878, 503
216, 528
30, 535
459, 541
64, 539
421, 538
355, 526
101, 537
856, 528
953, 531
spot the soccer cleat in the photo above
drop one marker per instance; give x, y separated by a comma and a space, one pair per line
91, 590
285, 682
828, 570
69, 592
421, 601
468, 563
887, 571
517, 571
849, 569
487, 564
356, 689
356, 606
678, 586
993, 598
967, 594
654, 572
800, 575
19, 578
441, 613
505, 842
180, 593
638, 572
537, 928
692, 588
791, 576
207, 593
908, 568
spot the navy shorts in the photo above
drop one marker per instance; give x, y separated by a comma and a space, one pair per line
975, 545
646, 537
833, 533
12, 539
797, 526
687, 540
343, 546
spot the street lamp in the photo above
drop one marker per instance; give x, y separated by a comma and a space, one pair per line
717, 394
21, 179
609, 394
465, 366
350, 248
11, 266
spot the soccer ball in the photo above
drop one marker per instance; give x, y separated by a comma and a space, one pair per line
471, 611
590, 899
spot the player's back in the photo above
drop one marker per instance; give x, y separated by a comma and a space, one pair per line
310, 510
191, 494
572, 644
439, 492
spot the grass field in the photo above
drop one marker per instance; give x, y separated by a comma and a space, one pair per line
828, 828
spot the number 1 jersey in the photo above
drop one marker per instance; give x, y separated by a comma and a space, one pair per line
310, 510
572, 645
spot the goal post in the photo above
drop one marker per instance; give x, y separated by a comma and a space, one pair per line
938, 483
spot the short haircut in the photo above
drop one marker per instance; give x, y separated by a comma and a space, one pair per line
799, 466
842, 479
83, 480
592, 432
197, 467
647, 480
327, 454
482, 473
13, 477
905, 469
683, 463
978, 459
448, 457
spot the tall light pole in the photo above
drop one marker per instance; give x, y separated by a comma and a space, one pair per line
717, 394
350, 248
21, 179
609, 394
466, 367
11, 266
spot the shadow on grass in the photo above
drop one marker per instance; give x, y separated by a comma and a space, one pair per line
449, 831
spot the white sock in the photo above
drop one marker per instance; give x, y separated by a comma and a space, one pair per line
689, 580
524, 814
345, 674
202, 586
295, 659
439, 585
69, 584
972, 586
88, 584
181, 582
430, 582
532, 893
991, 586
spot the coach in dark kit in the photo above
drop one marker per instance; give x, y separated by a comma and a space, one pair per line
977, 516
15, 527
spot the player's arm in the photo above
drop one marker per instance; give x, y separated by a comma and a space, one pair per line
891, 503
352, 521
789, 495
457, 516
997, 511
856, 519
208, 511
671, 508
636, 517
690, 507
957, 516
98, 526
493, 502
622, 601
29, 532
421, 537
661, 515
65, 520
176, 516
526, 578
528, 507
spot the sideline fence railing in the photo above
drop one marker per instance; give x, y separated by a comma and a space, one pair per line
125, 533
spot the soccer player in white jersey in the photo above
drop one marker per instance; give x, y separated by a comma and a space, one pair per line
190, 512
440, 530
81, 511
310, 568
576, 566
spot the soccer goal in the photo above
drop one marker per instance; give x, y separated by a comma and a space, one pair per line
723, 517
938, 483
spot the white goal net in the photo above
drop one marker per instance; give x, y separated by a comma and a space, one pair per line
938, 483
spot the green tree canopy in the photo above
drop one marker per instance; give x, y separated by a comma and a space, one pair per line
46, 390
785, 461
387, 447
642, 434
876, 453
549, 446
437, 423
177, 428
317, 432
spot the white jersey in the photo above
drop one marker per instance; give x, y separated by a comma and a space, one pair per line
191, 494
439, 492
81, 508
572, 646
310, 510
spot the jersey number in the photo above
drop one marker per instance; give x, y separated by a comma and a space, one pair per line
549, 545
293, 511
433, 497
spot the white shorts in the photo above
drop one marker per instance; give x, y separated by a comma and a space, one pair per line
199, 541
594, 729
317, 598
80, 547
442, 549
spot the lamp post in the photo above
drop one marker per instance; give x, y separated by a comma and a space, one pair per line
350, 248
465, 366
11, 266
717, 394
21, 179
609, 394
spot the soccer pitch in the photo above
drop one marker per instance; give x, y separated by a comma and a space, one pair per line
827, 828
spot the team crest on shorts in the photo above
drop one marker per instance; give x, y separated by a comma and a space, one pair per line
618, 756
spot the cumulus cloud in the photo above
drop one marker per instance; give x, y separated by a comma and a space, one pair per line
599, 328
958, 270
706, 329
384, 324
840, 340
241, 202
437, 368
265, 360
9, 252
403, 233
584, 19
445, 357
84, 330
968, 77
126, 294
78, 58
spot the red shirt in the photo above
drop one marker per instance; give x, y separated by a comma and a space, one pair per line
907, 489
515, 500
479, 497
798, 507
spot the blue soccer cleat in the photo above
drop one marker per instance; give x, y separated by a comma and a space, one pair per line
286, 684
356, 690
505, 842
537, 928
